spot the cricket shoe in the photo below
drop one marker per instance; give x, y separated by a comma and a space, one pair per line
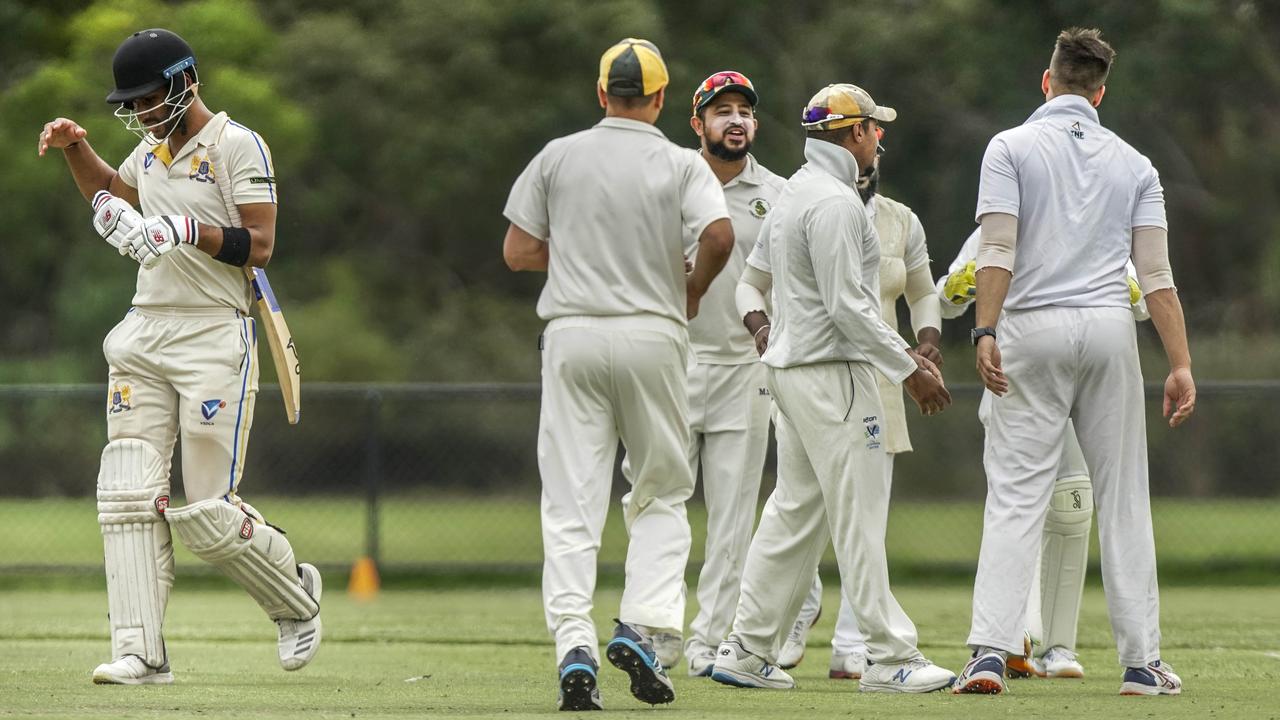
300, 639
578, 689
131, 670
847, 666
983, 675
793, 649
1058, 662
631, 653
913, 676
1021, 666
737, 667
702, 659
668, 646
1154, 679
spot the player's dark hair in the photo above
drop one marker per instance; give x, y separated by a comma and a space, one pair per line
632, 103
1081, 61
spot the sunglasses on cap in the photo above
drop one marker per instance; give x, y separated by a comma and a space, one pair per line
713, 84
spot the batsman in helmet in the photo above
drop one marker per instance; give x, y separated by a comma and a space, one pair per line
184, 360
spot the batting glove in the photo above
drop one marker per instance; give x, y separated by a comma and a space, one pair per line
1135, 292
114, 219
158, 236
961, 285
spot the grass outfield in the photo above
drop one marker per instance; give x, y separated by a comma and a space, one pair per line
500, 531
485, 653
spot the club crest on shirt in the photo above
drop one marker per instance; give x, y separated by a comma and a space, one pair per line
200, 170
872, 432
118, 398
759, 207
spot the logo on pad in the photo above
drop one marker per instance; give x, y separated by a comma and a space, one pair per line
162, 504
246, 528
872, 432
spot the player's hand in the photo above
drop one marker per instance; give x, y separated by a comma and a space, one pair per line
158, 236
1135, 292
961, 285
692, 300
1179, 396
114, 219
926, 388
989, 366
762, 340
59, 133
930, 352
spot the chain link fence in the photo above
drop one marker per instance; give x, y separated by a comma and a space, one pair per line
429, 478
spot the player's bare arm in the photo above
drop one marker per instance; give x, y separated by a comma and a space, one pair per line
1151, 260
90, 171
751, 297
995, 260
714, 247
523, 251
258, 219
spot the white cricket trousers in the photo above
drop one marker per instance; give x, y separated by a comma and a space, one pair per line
605, 379
832, 487
1082, 364
729, 409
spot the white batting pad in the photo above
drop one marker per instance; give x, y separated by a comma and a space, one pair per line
133, 494
1066, 557
254, 554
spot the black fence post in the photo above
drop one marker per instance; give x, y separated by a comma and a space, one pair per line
372, 471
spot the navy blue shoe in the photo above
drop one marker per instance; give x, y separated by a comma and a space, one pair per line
1154, 679
578, 689
984, 675
631, 653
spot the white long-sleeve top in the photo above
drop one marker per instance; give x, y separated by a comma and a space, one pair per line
825, 259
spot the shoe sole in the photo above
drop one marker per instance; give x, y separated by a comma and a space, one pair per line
902, 689
646, 684
1065, 675
578, 691
729, 677
792, 666
1140, 689
980, 686
1017, 668
842, 675
153, 679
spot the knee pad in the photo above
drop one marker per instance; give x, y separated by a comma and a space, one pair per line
254, 554
133, 495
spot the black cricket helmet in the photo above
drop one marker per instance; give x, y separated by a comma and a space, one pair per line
147, 61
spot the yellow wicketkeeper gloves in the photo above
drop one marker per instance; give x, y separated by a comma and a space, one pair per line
961, 285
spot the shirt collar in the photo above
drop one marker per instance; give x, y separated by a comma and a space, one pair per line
629, 124
207, 136
750, 174
832, 159
1066, 105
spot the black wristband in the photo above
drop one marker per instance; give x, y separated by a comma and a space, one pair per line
235, 246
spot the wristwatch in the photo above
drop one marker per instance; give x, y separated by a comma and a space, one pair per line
976, 333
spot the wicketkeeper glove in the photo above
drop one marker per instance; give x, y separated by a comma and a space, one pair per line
158, 236
114, 219
1135, 292
961, 285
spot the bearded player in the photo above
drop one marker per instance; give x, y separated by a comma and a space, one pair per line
184, 360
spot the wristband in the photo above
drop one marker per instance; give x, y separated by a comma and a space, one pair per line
762, 327
235, 247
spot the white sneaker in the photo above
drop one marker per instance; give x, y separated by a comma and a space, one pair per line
668, 646
735, 666
793, 649
848, 666
131, 670
913, 676
300, 639
701, 659
1058, 662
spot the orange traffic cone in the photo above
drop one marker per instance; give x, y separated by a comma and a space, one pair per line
364, 583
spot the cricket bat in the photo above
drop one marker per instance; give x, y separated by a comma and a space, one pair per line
284, 353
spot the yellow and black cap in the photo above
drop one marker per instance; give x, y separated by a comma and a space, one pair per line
632, 68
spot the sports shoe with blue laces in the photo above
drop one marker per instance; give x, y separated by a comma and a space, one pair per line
632, 653
578, 689
1156, 678
984, 675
